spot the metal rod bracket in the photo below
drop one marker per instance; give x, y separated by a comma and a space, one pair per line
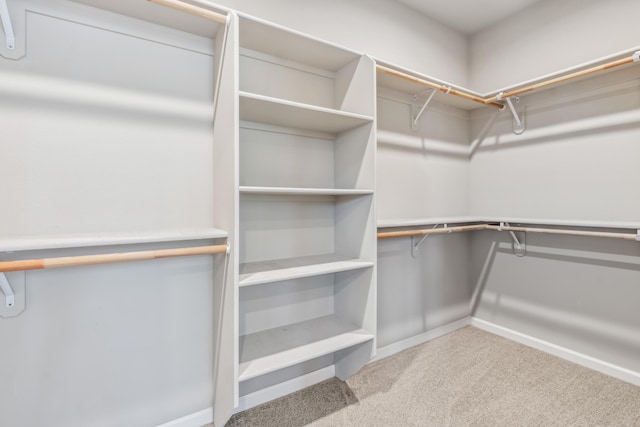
414, 121
638, 235
7, 290
519, 246
636, 56
518, 124
228, 252
415, 246
6, 24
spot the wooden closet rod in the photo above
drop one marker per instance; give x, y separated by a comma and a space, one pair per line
408, 233
561, 79
436, 86
389, 234
73, 261
194, 10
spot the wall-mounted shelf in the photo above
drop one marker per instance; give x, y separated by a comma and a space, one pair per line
304, 191
278, 348
256, 273
413, 222
13, 244
279, 112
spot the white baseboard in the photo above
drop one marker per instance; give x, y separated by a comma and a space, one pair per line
607, 368
432, 334
284, 388
197, 419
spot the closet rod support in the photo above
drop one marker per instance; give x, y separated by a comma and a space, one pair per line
414, 123
415, 247
638, 235
518, 246
636, 56
6, 24
9, 296
518, 125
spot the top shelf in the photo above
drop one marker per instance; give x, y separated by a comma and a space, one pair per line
411, 83
106, 239
161, 15
284, 43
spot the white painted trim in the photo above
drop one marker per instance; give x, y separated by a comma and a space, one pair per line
197, 419
432, 334
606, 368
284, 388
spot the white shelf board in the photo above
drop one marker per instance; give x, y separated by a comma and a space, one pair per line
413, 222
257, 273
280, 112
12, 244
410, 88
304, 191
567, 222
161, 15
278, 348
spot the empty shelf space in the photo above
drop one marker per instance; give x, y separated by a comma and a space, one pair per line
274, 111
304, 191
278, 348
257, 273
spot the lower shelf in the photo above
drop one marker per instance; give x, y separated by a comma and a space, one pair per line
278, 348
257, 273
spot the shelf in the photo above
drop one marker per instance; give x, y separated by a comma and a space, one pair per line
257, 273
278, 348
304, 191
413, 222
274, 111
390, 223
105, 239
411, 88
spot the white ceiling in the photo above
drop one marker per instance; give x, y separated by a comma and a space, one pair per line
468, 16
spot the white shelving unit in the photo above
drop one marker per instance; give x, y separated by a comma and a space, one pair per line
306, 155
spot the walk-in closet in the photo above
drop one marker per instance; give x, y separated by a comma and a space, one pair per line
337, 213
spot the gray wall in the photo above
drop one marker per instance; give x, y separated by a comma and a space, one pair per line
549, 36
385, 29
576, 292
106, 129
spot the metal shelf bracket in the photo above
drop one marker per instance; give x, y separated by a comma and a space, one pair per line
518, 124
415, 246
7, 290
414, 120
519, 246
6, 24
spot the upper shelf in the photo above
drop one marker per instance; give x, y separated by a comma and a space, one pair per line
161, 15
284, 43
279, 112
412, 83
12, 244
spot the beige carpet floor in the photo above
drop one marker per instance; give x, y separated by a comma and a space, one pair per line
466, 378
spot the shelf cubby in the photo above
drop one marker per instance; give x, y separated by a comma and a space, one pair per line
278, 348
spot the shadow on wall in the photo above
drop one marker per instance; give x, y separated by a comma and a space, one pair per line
563, 115
563, 287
